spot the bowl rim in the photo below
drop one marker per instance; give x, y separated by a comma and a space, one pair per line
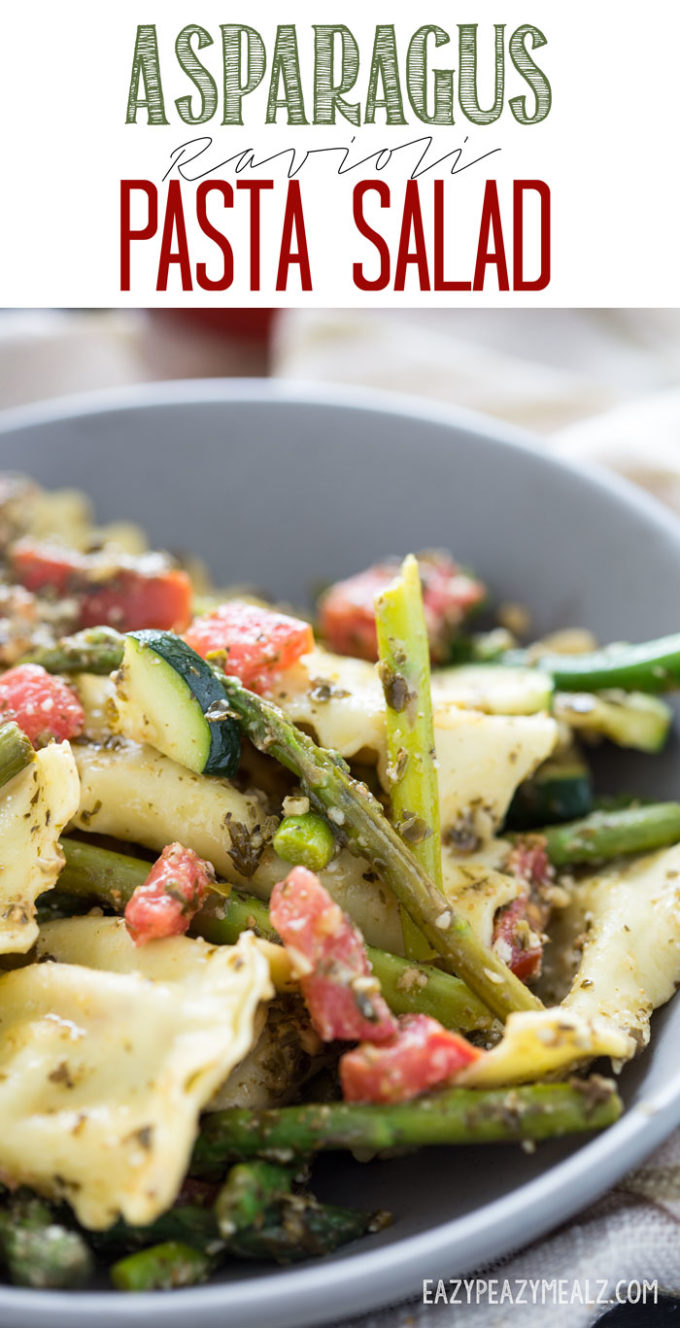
391, 1273
343, 397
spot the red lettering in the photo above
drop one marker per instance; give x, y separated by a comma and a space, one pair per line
174, 222
255, 188
520, 188
127, 235
294, 227
361, 281
491, 230
440, 281
224, 281
412, 224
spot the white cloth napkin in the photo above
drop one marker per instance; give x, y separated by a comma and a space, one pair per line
599, 385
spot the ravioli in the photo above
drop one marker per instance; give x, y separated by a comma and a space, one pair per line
286, 1054
104, 1068
339, 697
34, 808
482, 759
135, 793
631, 954
541, 1043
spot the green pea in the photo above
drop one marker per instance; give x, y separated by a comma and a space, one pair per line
305, 841
161, 1267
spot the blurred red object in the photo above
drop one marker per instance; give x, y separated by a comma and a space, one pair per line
255, 323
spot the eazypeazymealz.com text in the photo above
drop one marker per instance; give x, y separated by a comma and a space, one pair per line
539, 1291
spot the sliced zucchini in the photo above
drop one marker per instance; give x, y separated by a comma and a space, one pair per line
165, 694
481, 647
630, 719
493, 688
560, 790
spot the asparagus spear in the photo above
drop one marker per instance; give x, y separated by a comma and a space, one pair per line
260, 1217
256, 1216
454, 1116
651, 666
161, 1267
187, 1223
609, 834
38, 1250
96, 873
357, 819
16, 752
249, 1194
411, 987
404, 668
96, 650
303, 1229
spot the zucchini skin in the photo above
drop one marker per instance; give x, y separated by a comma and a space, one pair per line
225, 735
555, 793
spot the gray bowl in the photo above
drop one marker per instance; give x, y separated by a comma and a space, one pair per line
285, 487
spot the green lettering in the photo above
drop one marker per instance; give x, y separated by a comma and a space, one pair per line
328, 96
146, 68
468, 96
417, 78
235, 89
198, 74
286, 71
531, 73
385, 72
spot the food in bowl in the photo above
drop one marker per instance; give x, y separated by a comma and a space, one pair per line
270, 891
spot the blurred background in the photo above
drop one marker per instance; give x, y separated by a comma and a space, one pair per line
602, 385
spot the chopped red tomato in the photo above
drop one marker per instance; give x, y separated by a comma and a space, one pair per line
257, 642
519, 926
128, 594
528, 860
44, 567
421, 1054
516, 941
132, 600
342, 995
43, 706
347, 612
170, 896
